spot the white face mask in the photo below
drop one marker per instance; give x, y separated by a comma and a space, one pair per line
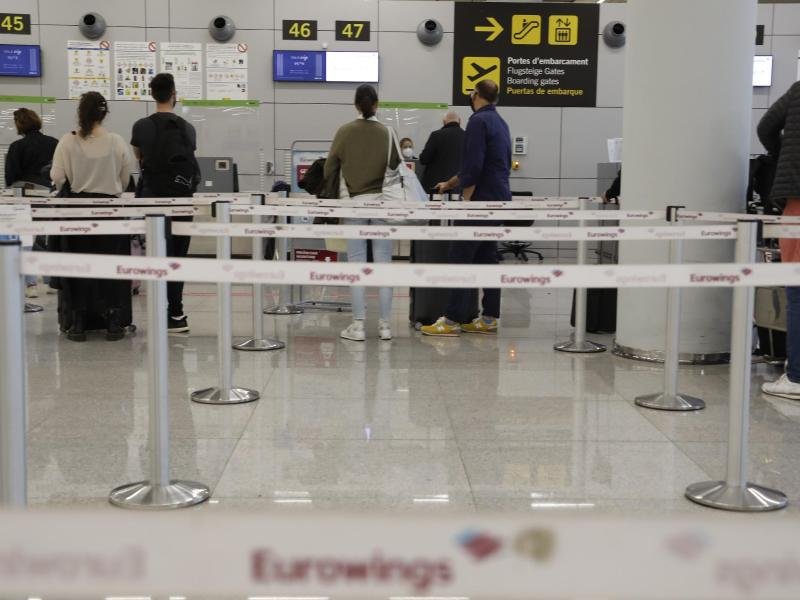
408, 152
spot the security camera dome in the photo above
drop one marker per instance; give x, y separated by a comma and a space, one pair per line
430, 32
222, 28
92, 25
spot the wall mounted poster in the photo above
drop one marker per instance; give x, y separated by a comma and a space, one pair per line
134, 67
185, 61
88, 67
226, 71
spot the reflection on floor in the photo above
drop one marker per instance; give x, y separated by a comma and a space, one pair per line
469, 424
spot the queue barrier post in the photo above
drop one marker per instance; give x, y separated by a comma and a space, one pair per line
736, 493
13, 384
579, 344
159, 492
285, 304
258, 342
225, 392
670, 399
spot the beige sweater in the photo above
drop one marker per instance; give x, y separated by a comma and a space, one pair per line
360, 150
99, 164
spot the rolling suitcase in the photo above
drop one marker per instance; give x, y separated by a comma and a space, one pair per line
428, 304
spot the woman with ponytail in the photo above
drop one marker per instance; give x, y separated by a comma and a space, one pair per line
92, 162
359, 155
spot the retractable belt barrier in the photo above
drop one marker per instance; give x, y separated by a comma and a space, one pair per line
413, 275
79, 554
403, 232
689, 215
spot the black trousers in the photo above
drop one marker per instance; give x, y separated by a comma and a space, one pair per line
177, 247
461, 306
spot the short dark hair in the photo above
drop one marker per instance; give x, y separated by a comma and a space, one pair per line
366, 99
488, 90
26, 121
162, 86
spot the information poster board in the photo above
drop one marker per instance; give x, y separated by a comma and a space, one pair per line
89, 67
134, 67
185, 61
226, 71
538, 54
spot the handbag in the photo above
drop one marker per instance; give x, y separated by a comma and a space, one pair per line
400, 184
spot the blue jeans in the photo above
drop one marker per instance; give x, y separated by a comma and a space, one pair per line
29, 279
793, 334
381, 253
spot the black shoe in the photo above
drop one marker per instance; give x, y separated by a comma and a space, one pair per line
77, 330
177, 324
115, 331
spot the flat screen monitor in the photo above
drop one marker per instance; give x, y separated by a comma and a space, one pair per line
293, 65
18, 60
352, 67
320, 66
762, 71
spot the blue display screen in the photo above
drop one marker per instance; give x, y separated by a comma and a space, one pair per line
20, 61
293, 65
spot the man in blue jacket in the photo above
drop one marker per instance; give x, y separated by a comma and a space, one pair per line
483, 177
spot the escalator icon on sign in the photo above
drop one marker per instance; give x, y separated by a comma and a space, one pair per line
478, 68
563, 30
526, 30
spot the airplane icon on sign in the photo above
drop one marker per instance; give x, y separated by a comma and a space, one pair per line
480, 72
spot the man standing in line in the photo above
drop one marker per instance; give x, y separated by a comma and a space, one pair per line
779, 132
443, 152
165, 145
484, 176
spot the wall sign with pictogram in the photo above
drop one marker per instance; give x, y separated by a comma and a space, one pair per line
538, 54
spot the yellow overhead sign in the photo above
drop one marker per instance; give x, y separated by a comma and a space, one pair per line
478, 68
526, 30
563, 30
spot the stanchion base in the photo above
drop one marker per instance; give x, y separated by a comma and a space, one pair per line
674, 402
259, 345
584, 347
144, 496
232, 396
33, 308
747, 498
289, 309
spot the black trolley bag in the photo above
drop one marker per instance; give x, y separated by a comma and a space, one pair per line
601, 304
97, 312
426, 305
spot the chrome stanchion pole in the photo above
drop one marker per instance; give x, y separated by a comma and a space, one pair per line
159, 492
13, 410
670, 399
285, 304
225, 393
258, 341
579, 344
736, 493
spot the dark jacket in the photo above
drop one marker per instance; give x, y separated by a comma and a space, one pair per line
442, 155
487, 156
779, 132
29, 159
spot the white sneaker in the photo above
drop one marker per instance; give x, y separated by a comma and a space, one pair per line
32, 291
354, 332
783, 388
384, 330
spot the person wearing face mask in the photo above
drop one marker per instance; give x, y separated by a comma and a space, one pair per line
165, 145
484, 176
407, 148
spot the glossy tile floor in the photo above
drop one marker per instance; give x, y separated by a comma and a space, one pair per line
415, 424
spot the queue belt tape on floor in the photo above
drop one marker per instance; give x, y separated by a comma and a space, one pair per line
81, 554
402, 232
412, 275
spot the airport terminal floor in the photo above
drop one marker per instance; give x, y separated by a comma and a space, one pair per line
416, 424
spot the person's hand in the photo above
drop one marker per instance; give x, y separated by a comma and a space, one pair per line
442, 187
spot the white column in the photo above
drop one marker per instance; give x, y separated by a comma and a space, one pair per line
688, 101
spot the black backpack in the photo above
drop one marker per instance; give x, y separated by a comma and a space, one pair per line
171, 170
314, 179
